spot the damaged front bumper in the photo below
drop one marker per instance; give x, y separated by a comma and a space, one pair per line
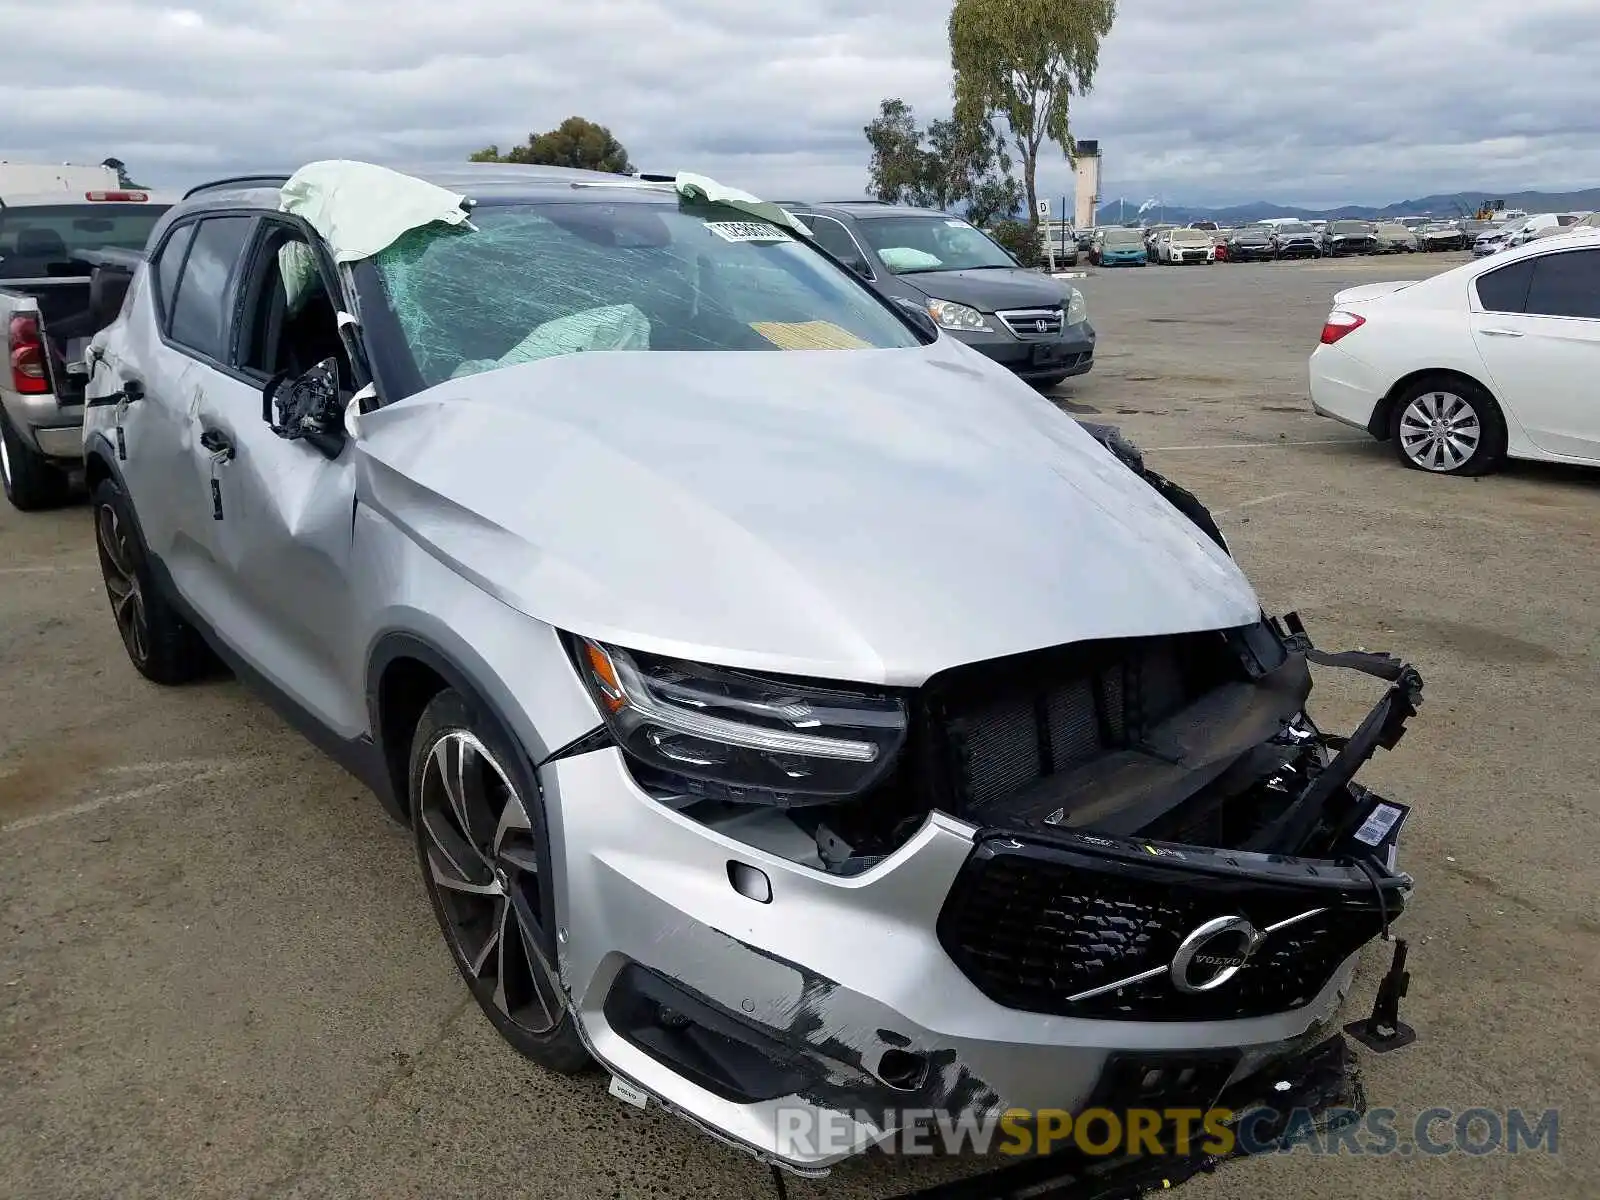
983, 965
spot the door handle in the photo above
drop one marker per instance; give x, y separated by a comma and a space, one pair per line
219, 444
131, 393
1501, 332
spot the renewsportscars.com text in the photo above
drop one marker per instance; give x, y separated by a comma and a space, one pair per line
1377, 1132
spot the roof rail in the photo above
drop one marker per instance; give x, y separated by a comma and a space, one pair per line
857, 200
235, 181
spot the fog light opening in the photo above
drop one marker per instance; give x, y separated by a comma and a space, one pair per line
670, 1018
902, 1070
750, 882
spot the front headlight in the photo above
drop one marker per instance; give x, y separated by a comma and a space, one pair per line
1077, 310
951, 315
733, 736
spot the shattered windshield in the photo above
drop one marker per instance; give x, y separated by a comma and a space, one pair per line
912, 244
534, 280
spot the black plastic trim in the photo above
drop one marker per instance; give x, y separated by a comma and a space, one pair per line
398, 644
236, 181
731, 1058
1145, 858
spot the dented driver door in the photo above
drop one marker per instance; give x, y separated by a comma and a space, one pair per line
281, 535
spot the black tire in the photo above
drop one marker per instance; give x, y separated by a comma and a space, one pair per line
31, 481
162, 646
1045, 382
503, 942
1461, 405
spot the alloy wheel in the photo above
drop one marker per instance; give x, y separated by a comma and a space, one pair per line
115, 544
1440, 431
5, 461
483, 868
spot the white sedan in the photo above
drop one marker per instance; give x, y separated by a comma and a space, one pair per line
1497, 358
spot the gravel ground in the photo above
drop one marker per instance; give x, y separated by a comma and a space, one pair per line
219, 975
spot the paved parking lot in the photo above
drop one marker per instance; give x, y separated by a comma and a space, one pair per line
219, 975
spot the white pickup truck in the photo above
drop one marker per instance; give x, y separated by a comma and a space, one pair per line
66, 260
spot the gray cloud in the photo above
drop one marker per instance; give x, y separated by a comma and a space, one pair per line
1288, 100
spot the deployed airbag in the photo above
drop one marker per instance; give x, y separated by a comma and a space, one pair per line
614, 327
698, 188
360, 209
907, 258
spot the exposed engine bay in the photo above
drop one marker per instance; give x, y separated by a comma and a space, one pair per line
1197, 739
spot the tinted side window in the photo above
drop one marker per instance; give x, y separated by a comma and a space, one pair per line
1566, 285
200, 313
168, 266
1506, 290
835, 239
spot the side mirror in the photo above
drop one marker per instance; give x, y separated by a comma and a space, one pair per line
307, 407
919, 317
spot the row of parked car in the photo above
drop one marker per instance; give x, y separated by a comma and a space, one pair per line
1204, 242
1507, 235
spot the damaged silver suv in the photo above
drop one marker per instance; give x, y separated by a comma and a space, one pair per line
793, 710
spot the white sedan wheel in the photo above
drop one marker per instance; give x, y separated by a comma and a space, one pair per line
1440, 431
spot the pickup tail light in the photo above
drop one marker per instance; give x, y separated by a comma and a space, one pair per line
1339, 325
116, 197
25, 346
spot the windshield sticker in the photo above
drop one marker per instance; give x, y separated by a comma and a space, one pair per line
748, 231
808, 335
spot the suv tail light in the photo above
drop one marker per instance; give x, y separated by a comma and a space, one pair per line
1340, 324
26, 347
117, 197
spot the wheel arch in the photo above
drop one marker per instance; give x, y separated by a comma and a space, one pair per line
98, 465
406, 670
1383, 412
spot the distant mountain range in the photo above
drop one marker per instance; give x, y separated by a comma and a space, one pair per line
1453, 205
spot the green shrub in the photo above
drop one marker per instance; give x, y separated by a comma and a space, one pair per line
1022, 239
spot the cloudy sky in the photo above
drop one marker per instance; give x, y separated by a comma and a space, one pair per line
1297, 101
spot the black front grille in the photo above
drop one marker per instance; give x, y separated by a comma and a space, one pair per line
1006, 724
1031, 323
1033, 926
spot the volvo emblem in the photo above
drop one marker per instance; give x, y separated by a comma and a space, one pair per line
1213, 954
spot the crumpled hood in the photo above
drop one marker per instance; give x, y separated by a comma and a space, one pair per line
989, 290
866, 515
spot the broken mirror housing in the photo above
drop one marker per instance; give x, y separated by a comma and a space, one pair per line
710, 733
